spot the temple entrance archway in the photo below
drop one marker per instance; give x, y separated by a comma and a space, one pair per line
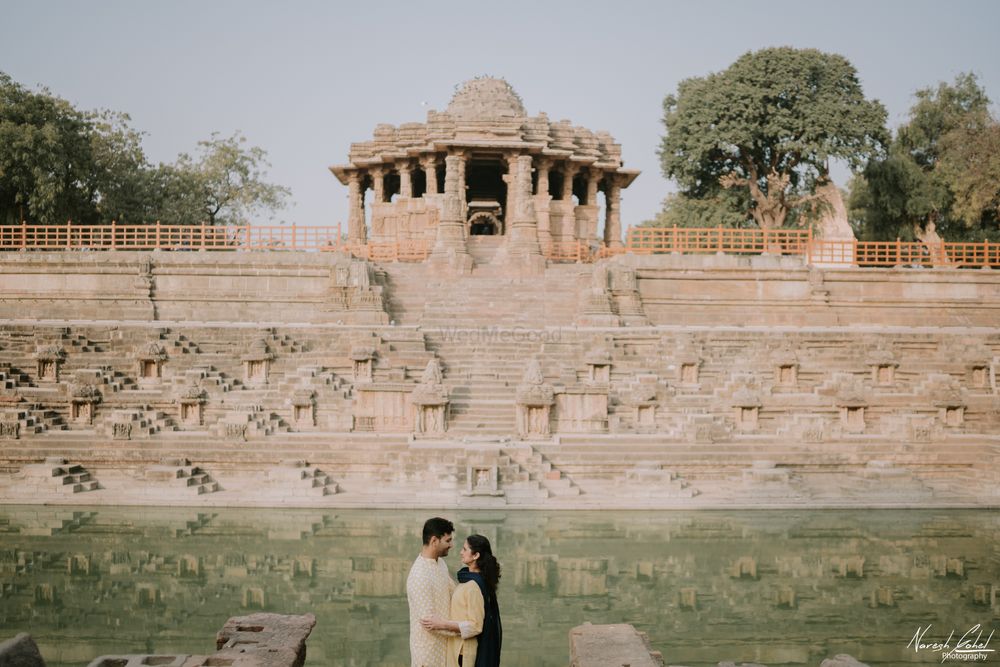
484, 223
486, 195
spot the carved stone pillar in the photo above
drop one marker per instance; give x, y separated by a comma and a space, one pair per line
613, 219
593, 179
461, 188
449, 243
429, 165
510, 179
405, 181
569, 210
542, 200
378, 185
524, 225
356, 232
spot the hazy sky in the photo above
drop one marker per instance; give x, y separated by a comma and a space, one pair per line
305, 79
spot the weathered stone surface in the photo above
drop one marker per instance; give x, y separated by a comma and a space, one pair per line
271, 640
842, 660
257, 640
605, 645
21, 651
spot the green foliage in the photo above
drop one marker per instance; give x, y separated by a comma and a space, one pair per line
227, 179
768, 126
725, 208
58, 163
941, 175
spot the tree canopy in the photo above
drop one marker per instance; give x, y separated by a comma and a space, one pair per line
58, 163
941, 176
767, 126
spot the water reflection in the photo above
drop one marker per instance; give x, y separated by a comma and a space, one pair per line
782, 588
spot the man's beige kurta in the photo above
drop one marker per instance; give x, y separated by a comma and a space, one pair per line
428, 590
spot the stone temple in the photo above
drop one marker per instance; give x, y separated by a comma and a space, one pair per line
525, 179
488, 373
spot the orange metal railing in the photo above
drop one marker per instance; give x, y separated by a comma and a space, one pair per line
639, 240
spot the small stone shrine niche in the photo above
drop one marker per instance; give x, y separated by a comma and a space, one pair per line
852, 401
534, 403
47, 361
10, 425
482, 480
883, 366
257, 363
430, 401
980, 376
746, 405
149, 362
949, 399
191, 405
644, 402
121, 424
363, 361
83, 399
598, 366
304, 409
786, 367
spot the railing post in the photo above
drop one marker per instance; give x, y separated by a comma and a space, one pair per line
674, 245
293, 237
24, 235
157, 244
899, 251
203, 246
986, 253
69, 234
114, 224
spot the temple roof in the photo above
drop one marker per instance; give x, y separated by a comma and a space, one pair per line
486, 98
486, 114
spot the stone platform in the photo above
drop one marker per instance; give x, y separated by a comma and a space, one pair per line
297, 379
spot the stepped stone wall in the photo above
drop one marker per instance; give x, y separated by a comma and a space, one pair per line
251, 378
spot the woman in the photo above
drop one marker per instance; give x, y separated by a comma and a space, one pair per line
474, 611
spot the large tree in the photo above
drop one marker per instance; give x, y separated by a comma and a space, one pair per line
769, 125
58, 163
941, 176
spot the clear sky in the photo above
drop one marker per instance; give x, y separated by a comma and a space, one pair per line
305, 79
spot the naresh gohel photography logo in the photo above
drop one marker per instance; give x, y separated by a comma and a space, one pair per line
971, 645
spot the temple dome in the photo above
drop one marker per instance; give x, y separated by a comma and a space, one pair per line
486, 98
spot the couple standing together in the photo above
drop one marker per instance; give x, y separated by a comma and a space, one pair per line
453, 624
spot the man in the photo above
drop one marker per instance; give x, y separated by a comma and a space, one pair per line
428, 591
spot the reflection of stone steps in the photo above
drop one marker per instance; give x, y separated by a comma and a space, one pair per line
60, 475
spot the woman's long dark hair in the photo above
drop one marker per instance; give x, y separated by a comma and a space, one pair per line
487, 562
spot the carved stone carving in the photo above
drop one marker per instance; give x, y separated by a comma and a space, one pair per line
534, 402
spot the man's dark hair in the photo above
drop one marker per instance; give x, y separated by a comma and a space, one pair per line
437, 527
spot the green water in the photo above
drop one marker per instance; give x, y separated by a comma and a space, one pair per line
781, 588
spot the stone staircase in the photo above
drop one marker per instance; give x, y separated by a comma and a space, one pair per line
106, 376
418, 296
182, 473
483, 248
299, 479
59, 475
548, 476
177, 343
12, 378
482, 378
